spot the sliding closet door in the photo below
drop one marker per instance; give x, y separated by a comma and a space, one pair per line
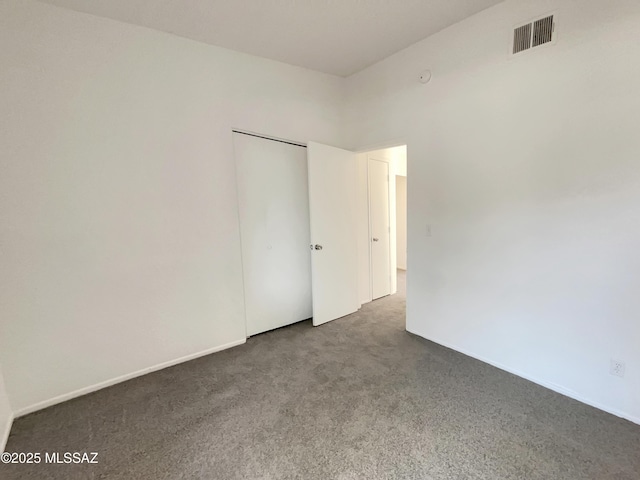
273, 198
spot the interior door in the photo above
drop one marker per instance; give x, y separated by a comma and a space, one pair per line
379, 228
334, 254
273, 202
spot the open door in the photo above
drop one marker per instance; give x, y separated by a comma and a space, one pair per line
334, 256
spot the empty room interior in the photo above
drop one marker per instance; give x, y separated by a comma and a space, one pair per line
278, 239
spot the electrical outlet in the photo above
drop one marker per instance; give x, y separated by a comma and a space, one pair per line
617, 368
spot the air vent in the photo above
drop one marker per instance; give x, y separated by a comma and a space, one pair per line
542, 31
522, 38
533, 34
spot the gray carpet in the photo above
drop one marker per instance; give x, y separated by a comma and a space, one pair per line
355, 398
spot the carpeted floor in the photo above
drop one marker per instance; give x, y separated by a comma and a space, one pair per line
355, 398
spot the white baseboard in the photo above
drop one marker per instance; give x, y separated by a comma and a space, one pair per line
5, 434
123, 378
551, 386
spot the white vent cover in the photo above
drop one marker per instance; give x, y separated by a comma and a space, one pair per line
533, 34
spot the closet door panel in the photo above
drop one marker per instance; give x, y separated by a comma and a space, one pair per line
273, 201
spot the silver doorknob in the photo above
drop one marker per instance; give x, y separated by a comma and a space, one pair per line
318, 247
375, 239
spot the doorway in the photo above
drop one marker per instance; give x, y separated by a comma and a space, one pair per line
381, 221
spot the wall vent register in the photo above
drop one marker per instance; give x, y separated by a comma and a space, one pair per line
533, 34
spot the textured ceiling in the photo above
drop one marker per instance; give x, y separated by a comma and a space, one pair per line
340, 37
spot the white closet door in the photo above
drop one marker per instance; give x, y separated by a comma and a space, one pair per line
332, 194
273, 199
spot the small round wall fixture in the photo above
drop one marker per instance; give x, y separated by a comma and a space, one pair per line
425, 76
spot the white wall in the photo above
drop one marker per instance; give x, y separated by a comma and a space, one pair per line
119, 227
527, 171
6, 414
401, 221
399, 156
